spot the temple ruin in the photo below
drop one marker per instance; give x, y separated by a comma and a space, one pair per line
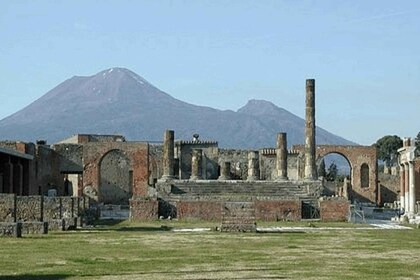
195, 179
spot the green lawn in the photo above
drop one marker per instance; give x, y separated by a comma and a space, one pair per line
150, 251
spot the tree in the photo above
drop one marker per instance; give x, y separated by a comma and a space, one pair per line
332, 172
321, 169
387, 148
417, 143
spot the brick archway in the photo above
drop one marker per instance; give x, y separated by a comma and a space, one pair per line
360, 158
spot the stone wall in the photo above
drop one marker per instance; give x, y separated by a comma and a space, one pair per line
144, 209
70, 157
238, 162
278, 210
29, 208
334, 209
7, 207
59, 212
10, 229
209, 163
48, 171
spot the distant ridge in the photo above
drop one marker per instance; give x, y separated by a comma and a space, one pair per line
118, 101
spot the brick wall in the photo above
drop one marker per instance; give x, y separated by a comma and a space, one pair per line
201, 210
334, 210
144, 209
278, 210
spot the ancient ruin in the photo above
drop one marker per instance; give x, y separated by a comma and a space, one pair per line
190, 179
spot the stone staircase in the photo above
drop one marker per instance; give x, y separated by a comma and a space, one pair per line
239, 189
238, 216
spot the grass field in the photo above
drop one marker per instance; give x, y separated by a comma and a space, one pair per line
148, 251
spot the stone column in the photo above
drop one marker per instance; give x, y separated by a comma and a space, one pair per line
253, 166
310, 165
402, 187
196, 158
406, 188
281, 156
168, 155
412, 188
224, 171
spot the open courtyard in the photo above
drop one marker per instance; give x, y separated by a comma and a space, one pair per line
155, 251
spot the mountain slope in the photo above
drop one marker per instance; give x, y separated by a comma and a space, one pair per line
118, 101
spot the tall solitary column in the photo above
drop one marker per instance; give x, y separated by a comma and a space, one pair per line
196, 158
168, 155
406, 188
281, 156
253, 166
224, 170
411, 189
402, 187
310, 165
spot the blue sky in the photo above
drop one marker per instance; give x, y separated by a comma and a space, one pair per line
364, 55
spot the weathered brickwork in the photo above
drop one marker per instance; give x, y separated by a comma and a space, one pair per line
144, 209
238, 216
334, 210
201, 210
358, 157
93, 153
278, 210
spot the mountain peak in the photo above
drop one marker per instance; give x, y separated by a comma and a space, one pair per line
256, 107
120, 73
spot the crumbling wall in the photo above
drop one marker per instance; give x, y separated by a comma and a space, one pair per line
136, 152
48, 171
238, 162
70, 157
209, 163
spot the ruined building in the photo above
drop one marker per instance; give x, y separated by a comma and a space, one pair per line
190, 178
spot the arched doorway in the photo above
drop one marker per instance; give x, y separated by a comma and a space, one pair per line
335, 169
116, 179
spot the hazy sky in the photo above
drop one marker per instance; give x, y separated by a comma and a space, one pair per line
364, 55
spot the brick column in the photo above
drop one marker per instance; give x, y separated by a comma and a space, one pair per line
224, 171
281, 156
253, 166
196, 158
310, 165
168, 155
402, 186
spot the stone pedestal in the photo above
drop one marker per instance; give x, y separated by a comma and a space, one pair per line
224, 171
197, 155
253, 166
